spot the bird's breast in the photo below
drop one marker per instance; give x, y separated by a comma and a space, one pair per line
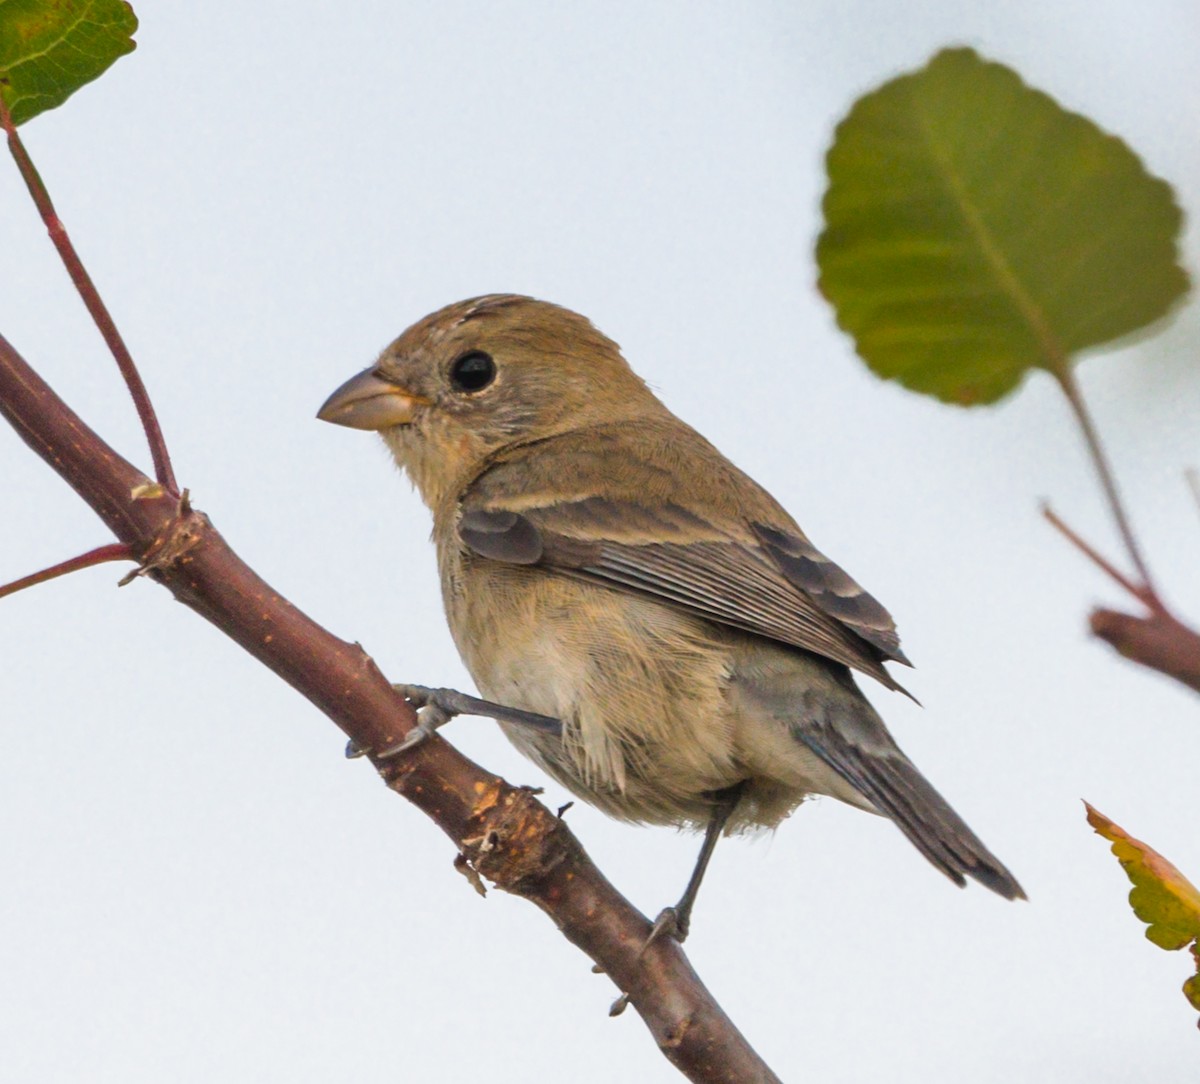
641, 689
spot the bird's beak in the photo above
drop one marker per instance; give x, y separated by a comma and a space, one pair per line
368, 401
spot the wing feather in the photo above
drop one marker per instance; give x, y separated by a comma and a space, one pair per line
768, 582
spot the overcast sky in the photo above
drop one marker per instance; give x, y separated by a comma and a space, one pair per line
198, 887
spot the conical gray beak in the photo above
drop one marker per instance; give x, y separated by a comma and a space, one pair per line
368, 401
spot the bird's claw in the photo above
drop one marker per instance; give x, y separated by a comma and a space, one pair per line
436, 707
430, 716
671, 922
419, 695
452, 702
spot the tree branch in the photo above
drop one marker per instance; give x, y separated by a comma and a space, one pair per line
92, 302
1159, 640
501, 830
1094, 555
114, 551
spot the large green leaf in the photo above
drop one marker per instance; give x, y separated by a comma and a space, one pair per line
50, 48
975, 229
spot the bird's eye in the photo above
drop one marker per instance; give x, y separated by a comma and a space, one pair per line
473, 371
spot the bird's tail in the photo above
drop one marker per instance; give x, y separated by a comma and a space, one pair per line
897, 790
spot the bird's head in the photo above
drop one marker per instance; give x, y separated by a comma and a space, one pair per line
482, 375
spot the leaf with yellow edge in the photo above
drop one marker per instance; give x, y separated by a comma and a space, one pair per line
50, 48
1161, 897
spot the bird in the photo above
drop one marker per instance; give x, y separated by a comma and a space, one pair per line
602, 564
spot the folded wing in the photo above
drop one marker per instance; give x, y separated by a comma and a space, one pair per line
769, 581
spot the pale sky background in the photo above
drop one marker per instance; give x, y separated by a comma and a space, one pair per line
197, 886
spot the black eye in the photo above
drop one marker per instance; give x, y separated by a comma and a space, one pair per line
473, 371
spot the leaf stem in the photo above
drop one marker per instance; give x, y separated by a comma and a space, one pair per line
114, 551
92, 301
1070, 388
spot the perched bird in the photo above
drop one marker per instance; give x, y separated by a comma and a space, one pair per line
603, 564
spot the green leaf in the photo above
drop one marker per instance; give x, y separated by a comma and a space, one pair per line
1191, 988
50, 48
1161, 897
975, 229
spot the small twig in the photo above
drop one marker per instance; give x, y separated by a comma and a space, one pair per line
1066, 380
1142, 593
1159, 640
115, 551
92, 301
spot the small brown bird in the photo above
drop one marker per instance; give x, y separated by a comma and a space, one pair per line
603, 564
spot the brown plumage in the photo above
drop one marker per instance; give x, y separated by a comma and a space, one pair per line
604, 564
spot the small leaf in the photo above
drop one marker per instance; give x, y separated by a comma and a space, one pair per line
50, 48
1191, 988
975, 229
1162, 897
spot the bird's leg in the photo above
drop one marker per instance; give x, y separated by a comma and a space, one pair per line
436, 707
676, 920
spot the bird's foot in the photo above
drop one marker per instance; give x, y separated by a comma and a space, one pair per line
436, 707
671, 922
434, 710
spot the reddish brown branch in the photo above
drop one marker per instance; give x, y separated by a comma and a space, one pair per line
502, 830
1159, 641
114, 551
93, 302
1143, 594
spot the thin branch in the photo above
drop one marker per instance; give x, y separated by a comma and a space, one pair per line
114, 551
1160, 641
1066, 380
1139, 592
93, 302
501, 830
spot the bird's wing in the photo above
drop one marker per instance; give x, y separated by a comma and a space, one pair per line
751, 576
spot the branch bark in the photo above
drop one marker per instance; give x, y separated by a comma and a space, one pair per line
1158, 640
502, 831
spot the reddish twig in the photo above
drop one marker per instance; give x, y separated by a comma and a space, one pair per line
1158, 640
93, 302
1142, 594
114, 551
502, 831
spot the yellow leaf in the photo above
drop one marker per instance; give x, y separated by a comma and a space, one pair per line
1161, 896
